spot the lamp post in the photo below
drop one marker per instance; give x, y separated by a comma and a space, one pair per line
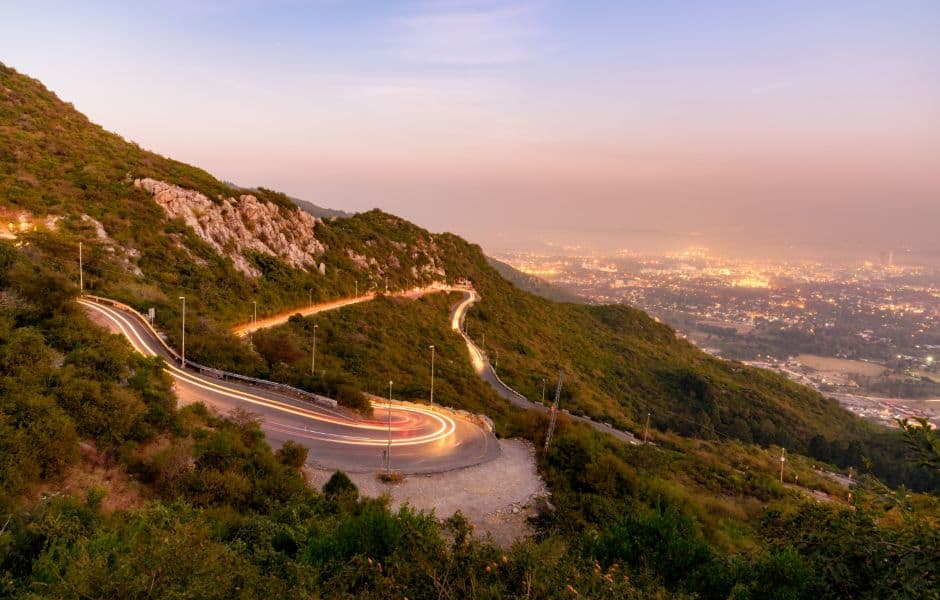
313, 354
432, 375
388, 450
183, 343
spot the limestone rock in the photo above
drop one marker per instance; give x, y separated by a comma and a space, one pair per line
233, 226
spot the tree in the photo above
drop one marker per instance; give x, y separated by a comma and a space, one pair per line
292, 454
922, 442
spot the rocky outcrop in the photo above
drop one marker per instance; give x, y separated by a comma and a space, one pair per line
233, 226
124, 254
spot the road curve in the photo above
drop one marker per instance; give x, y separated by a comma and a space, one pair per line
304, 311
486, 372
422, 440
477, 358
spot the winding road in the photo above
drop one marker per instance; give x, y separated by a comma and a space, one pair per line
478, 359
423, 440
485, 370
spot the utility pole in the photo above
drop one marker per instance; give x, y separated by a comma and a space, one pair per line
432, 375
544, 381
388, 451
783, 460
183, 344
646, 431
554, 411
313, 354
81, 272
357, 288
496, 364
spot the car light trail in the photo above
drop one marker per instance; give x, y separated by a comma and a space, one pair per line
404, 421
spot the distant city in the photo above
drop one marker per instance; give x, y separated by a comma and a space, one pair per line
866, 332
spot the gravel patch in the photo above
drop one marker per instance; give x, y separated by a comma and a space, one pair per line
497, 496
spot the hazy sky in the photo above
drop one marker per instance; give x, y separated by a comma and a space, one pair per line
733, 123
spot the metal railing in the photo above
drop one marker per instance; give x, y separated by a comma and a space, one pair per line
282, 388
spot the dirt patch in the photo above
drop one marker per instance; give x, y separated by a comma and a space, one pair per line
93, 472
841, 365
497, 496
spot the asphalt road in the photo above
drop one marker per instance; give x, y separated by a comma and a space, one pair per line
485, 370
283, 316
477, 358
422, 440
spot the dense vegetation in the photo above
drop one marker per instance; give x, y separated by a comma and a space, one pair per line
185, 504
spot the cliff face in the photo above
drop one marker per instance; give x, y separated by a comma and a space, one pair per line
235, 225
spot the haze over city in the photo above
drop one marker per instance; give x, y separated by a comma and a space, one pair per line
745, 127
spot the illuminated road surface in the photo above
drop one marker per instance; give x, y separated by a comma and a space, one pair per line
477, 358
283, 316
422, 440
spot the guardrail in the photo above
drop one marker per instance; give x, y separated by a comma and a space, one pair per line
600, 426
287, 390
484, 356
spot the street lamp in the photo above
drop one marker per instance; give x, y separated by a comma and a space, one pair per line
388, 451
183, 344
432, 375
313, 354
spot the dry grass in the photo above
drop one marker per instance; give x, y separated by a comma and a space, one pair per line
94, 472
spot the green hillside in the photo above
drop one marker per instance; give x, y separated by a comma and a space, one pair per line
619, 363
107, 489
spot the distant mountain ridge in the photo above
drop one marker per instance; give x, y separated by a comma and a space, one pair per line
319, 211
314, 209
535, 285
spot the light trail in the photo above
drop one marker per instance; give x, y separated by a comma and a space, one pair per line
402, 423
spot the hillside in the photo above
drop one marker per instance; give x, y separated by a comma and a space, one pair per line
533, 284
155, 229
108, 489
